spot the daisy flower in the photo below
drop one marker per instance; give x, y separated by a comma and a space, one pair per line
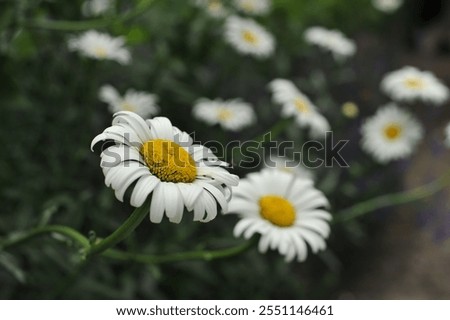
154, 158
284, 209
332, 40
253, 7
387, 6
214, 8
142, 103
287, 165
95, 7
410, 84
392, 133
232, 115
248, 37
100, 46
294, 103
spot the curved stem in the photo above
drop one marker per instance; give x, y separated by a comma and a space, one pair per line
122, 232
389, 200
65, 25
21, 237
205, 255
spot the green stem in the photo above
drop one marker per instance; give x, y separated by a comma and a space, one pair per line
205, 255
122, 232
65, 25
389, 200
21, 237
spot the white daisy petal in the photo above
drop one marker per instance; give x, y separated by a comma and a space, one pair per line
190, 193
157, 206
332, 40
161, 128
143, 188
134, 121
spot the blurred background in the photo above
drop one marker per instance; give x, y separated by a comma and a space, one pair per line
50, 112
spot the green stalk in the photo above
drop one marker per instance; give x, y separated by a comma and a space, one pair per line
393, 199
205, 255
122, 232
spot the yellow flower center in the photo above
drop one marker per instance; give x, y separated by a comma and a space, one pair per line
301, 105
277, 210
224, 114
350, 110
100, 52
414, 83
128, 106
392, 131
168, 161
249, 37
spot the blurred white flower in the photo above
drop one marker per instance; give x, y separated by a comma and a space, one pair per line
248, 37
387, 6
391, 134
409, 84
164, 162
142, 103
95, 7
253, 7
287, 165
214, 8
333, 40
100, 46
294, 103
284, 209
232, 115
447, 135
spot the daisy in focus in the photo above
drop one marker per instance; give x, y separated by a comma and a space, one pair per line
332, 40
100, 46
295, 104
214, 8
248, 37
95, 7
163, 162
410, 84
391, 134
285, 210
253, 7
287, 165
387, 6
142, 103
232, 115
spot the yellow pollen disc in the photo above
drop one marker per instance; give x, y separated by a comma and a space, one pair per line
168, 161
128, 107
277, 210
350, 110
414, 83
392, 131
100, 52
224, 114
301, 105
249, 37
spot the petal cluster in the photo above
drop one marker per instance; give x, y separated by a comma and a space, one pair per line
231, 115
142, 103
332, 40
253, 7
100, 46
295, 103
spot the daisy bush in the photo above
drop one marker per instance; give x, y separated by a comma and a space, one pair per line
161, 149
